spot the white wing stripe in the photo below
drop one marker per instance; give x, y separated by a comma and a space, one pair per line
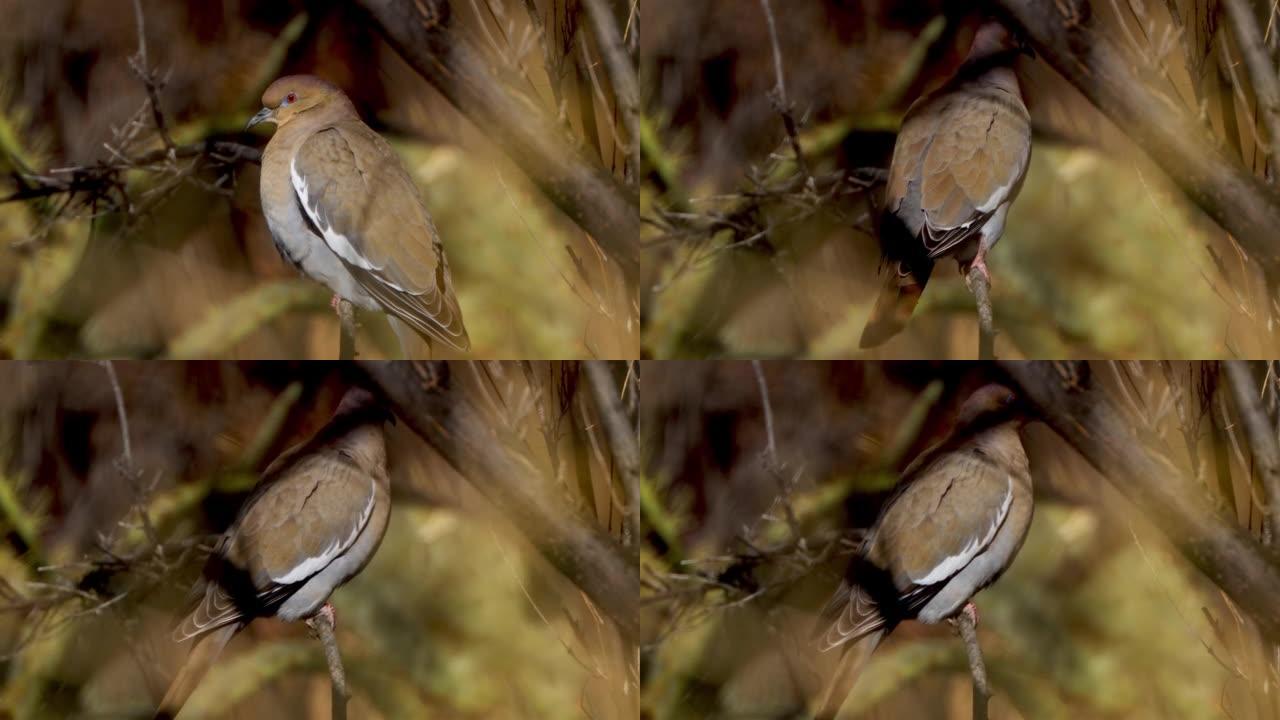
313, 565
336, 241
955, 563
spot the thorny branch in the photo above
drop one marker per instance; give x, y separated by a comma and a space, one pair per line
780, 102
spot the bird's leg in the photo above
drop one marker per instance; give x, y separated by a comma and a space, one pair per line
325, 614
333, 303
979, 263
970, 610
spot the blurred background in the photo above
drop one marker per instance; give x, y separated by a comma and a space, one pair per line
457, 615
1101, 256
177, 260
1098, 617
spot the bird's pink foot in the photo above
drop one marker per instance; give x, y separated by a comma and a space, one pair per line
980, 264
326, 614
972, 611
335, 301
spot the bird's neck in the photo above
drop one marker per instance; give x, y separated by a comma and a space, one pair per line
1002, 443
366, 444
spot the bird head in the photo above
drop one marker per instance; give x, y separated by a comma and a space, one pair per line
290, 96
361, 405
991, 405
994, 38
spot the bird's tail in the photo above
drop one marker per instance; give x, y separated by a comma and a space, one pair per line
897, 300
201, 657
847, 669
413, 346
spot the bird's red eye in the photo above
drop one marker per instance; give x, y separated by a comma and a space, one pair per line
290, 98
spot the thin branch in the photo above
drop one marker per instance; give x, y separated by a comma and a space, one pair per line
771, 449
980, 286
1266, 85
148, 77
120, 411
780, 102
967, 626
1262, 439
322, 624
347, 330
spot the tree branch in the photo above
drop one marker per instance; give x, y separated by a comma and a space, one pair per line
1262, 438
966, 625
1172, 137
427, 399
347, 330
980, 286
323, 625
551, 157
1084, 415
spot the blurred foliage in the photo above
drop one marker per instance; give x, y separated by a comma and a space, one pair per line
1098, 617
457, 615
189, 269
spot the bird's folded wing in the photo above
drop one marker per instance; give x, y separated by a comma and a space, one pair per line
947, 516
291, 529
353, 189
958, 158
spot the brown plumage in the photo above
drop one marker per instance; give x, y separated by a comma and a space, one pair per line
957, 519
343, 210
958, 163
311, 524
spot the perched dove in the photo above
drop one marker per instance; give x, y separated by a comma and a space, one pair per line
955, 523
343, 210
957, 165
312, 523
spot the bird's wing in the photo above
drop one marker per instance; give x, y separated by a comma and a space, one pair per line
353, 189
291, 528
959, 156
947, 514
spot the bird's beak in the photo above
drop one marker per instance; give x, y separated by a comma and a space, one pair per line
264, 115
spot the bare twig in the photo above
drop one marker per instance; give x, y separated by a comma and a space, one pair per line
141, 66
780, 101
967, 627
347, 330
1262, 438
771, 449
322, 624
120, 411
1261, 71
980, 286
